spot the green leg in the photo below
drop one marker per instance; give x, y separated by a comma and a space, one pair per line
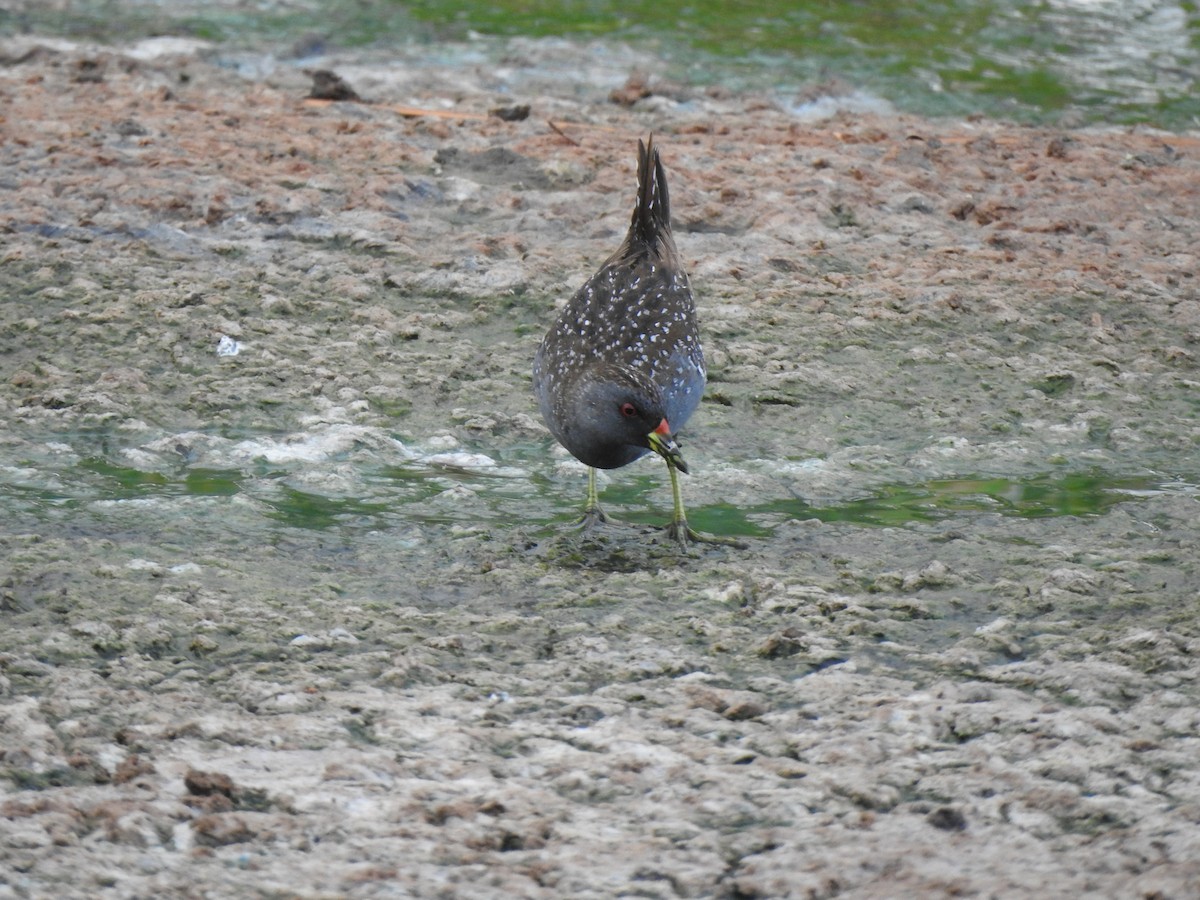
679, 528
592, 513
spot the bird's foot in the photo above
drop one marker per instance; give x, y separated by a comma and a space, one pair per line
592, 516
680, 531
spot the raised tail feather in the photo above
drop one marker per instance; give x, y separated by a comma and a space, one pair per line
651, 225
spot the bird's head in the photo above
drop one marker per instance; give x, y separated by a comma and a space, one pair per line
619, 414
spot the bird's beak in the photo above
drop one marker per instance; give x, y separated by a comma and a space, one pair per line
662, 443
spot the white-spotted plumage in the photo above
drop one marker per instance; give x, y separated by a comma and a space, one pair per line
622, 368
633, 322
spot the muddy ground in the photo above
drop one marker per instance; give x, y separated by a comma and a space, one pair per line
308, 619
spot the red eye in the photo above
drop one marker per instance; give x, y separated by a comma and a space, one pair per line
628, 410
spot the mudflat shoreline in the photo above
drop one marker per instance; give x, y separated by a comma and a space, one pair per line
308, 620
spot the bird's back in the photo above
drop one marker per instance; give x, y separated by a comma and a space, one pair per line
636, 311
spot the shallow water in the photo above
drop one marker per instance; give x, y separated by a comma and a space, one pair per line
352, 492
1068, 61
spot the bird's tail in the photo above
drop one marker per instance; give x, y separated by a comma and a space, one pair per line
651, 225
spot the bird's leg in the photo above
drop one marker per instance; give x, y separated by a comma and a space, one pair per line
592, 513
679, 528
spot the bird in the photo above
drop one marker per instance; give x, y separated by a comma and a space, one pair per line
622, 368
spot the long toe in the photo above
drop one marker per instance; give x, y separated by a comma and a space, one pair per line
593, 516
680, 531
